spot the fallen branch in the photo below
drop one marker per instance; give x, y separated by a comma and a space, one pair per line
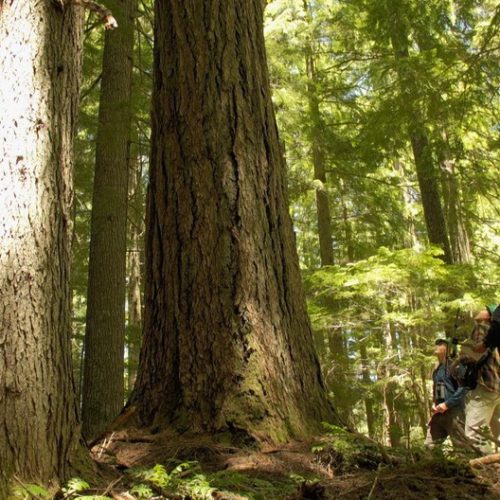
488, 459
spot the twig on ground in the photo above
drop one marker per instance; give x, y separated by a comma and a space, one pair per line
374, 485
105, 445
112, 485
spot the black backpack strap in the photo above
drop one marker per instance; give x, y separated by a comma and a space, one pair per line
492, 339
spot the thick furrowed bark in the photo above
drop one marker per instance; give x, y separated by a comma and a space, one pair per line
40, 68
227, 341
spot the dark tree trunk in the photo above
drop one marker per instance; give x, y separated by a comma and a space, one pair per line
103, 386
427, 172
40, 48
227, 340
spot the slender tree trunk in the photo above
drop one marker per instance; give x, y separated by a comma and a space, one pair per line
410, 239
316, 134
134, 300
40, 48
365, 370
348, 231
227, 341
422, 414
427, 398
459, 239
103, 382
338, 381
427, 173
392, 425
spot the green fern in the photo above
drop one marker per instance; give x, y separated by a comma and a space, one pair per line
29, 491
75, 485
141, 491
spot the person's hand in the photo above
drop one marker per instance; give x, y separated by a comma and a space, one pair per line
441, 408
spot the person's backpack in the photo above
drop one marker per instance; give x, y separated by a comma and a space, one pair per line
464, 372
492, 339
465, 369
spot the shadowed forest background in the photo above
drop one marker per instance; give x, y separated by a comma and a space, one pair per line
388, 118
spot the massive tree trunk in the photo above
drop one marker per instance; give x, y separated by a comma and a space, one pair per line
103, 381
427, 173
40, 67
227, 340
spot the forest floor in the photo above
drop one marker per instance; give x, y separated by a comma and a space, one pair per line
137, 465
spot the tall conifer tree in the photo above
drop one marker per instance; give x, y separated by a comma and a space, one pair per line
103, 383
40, 47
227, 340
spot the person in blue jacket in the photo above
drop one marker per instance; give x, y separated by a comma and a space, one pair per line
448, 414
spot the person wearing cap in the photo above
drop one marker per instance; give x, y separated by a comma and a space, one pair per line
448, 403
482, 412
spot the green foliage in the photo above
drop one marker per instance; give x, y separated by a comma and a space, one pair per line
75, 485
141, 491
395, 304
28, 491
452, 67
157, 476
73, 489
253, 487
406, 288
183, 478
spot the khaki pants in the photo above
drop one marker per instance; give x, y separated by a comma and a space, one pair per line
450, 423
482, 418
